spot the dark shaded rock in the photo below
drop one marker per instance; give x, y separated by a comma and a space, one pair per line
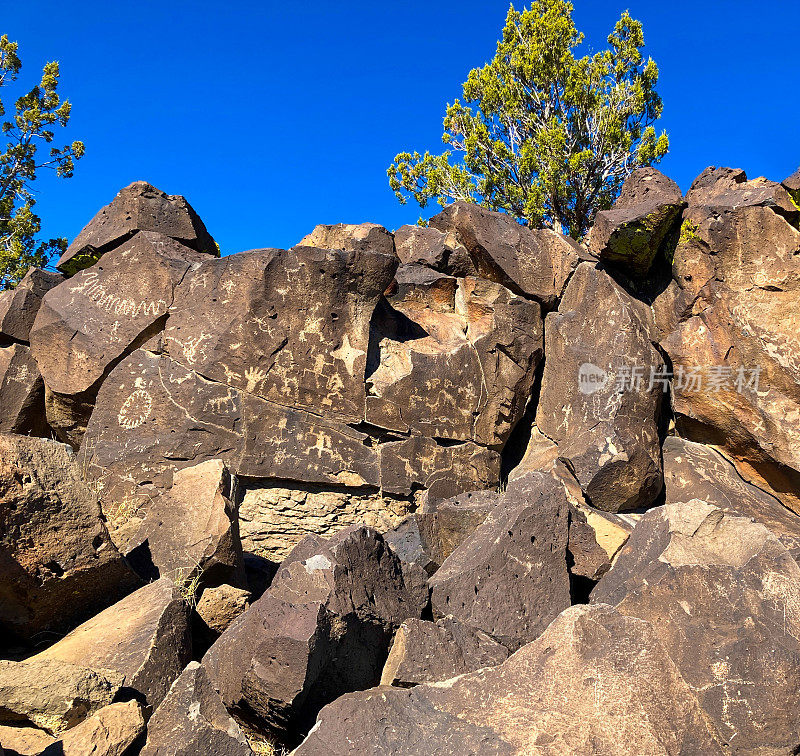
86, 324
425, 652
696, 471
18, 306
606, 431
630, 234
533, 262
734, 348
792, 185
21, 393
444, 524
57, 562
145, 638
408, 544
595, 682
322, 629
586, 558
52, 694
468, 373
722, 596
417, 245
509, 577
137, 207
111, 731
192, 529
192, 721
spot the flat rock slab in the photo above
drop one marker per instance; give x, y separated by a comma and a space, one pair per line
18, 306
145, 638
596, 682
598, 403
111, 731
425, 652
57, 562
722, 595
192, 721
137, 207
509, 577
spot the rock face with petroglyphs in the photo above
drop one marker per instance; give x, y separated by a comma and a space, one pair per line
471, 487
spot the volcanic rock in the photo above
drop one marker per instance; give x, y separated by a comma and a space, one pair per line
629, 235
57, 562
433, 651
21, 393
18, 306
111, 731
137, 207
606, 430
350, 237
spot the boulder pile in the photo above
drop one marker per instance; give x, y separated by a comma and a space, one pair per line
468, 488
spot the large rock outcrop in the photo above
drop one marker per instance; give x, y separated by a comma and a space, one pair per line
57, 563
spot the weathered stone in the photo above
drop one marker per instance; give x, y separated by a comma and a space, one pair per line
21, 393
722, 595
595, 682
425, 652
792, 185
322, 629
145, 638
735, 351
509, 577
18, 306
607, 431
586, 558
23, 741
408, 543
217, 608
445, 524
111, 731
350, 237
192, 721
465, 371
630, 234
52, 694
86, 324
696, 471
192, 529
417, 245
57, 562
534, 262
138, 207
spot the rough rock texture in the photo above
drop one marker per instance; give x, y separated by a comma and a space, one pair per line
792, 185
87, 323
425, 652
629, 235
218, 607
606, 429
435, 249
23, 741
21, 393
534, 262
192, 721
52, 694
138, 207
350, 238
464, 368
509, 577
57, 563
18, 306
109, 732
145, 638
191, 529
408, 543
696, 471
322, 629
723, 597
596, 682
734, 345
443, 525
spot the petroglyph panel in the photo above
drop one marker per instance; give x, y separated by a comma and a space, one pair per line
274, 518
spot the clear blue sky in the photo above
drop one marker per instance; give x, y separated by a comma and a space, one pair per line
272, 117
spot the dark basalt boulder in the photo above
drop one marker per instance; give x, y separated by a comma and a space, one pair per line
21, 393
18, 306
137, 207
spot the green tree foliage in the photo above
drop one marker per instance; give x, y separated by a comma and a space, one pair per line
541, 134
28, 128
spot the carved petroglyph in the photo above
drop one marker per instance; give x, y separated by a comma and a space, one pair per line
95, 291
135, 409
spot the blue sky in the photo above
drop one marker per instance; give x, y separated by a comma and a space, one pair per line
273, 117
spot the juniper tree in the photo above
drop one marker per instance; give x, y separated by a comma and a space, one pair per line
29, 126
541, 134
